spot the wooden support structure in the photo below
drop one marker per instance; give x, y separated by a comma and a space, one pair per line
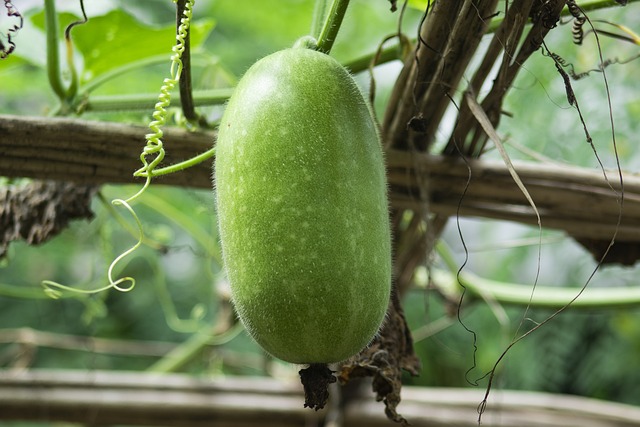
133, 398
577, 200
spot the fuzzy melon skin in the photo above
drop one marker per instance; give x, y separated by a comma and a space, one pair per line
302, 208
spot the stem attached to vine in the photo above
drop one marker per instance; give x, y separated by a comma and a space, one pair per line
332, 25
319, 13
146, 101
53, 58
551, 297
72, 91
179, 166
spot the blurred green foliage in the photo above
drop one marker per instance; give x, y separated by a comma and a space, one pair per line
590, 353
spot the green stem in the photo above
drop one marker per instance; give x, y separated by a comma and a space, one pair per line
319, 13
193, 324
27, 292
146, 101
190, 349
53, 58
197, 58
182, 354
363, 62
446, 256
177, 167
587, 5
332, 25
544, 297
116, 72
519, 294
73, 86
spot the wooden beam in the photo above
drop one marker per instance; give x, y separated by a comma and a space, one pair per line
92, 152
133, 398
577, 200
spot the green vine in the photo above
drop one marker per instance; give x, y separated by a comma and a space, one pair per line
332, 25
154, 144
145, 101
53, 58
154, 147
193, 347
66, 95
154, 140
319, 13
54, 289
552, 297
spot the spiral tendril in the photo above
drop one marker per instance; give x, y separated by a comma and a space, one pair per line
153, 147
154, 139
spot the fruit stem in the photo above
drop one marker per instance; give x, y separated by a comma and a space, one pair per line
319, 13
332, 25
315, 380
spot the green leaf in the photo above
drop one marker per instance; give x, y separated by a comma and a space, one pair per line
115, 39
64, 19
419, 4
31, 43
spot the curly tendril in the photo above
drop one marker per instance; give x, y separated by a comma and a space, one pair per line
123, 284
154, 140
153, 147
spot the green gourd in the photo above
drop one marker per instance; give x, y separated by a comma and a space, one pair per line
302, 208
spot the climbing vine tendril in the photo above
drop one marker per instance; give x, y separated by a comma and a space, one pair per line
154, 139
153, 147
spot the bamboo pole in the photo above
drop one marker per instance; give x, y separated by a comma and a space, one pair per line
131, 398
577, 200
